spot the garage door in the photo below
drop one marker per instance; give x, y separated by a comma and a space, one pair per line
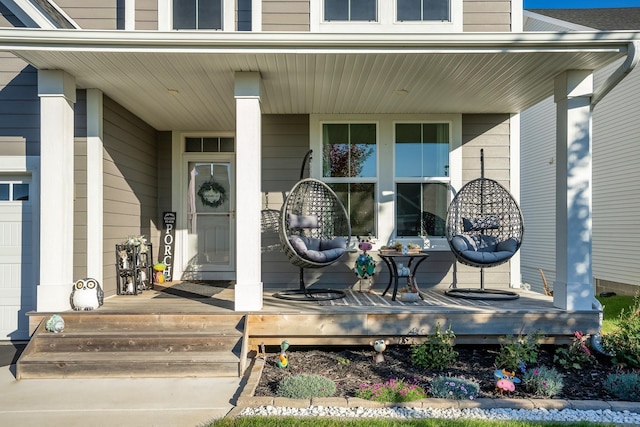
17, 281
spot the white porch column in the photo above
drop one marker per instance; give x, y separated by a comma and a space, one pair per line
248, 289
95, 247
573, 288
57, 91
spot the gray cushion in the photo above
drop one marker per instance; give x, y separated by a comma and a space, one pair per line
303, 221
317, 250
486, 257
483, 249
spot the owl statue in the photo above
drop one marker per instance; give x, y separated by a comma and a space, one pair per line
87, 294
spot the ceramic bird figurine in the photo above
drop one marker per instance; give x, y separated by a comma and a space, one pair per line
505, 380
55, 324
87, 294
283, 359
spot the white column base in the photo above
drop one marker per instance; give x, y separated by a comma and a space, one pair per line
248, 296
572, 296
54, 297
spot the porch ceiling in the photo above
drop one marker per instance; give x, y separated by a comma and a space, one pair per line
314, 73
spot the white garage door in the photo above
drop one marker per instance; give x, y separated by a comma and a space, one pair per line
17, 281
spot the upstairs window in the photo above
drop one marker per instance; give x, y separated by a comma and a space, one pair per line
197, 14
423, 10
14, 191
350, 10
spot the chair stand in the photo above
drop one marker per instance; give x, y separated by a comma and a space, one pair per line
482, 293
306, 294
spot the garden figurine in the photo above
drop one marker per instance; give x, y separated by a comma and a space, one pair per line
365, 265
283, 359
505, 380
379, 346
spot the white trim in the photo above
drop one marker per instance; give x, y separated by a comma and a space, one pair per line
28, 13
256, 15
129, 15
515, 279
516, 16
95, 186
386, 21
385, 179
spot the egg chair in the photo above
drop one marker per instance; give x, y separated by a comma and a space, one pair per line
314, 233
484, 228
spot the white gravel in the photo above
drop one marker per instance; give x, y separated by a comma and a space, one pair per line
568, 415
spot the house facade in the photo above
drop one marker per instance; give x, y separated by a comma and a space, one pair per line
113, 114
615, 152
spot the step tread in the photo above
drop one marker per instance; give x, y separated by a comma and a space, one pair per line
137, 333
120, 357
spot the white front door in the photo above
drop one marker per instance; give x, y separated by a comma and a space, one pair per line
17, 272
210, 219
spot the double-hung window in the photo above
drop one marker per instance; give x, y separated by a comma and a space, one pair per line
350, 10
423, 10
422, 178
349, 159
197, 14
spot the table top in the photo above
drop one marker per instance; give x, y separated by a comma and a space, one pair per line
400, 254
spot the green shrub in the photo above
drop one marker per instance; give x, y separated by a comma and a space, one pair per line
624, 386
543, 381
457, 388
575, 356
624, 341
436, 352
518, 352
393, 390
306, 386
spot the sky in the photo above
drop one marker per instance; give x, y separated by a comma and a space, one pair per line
578, 4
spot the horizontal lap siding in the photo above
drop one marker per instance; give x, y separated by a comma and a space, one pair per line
484, 15
93, 14
283, 15
19, 107
130, 183
80, 182
147, 15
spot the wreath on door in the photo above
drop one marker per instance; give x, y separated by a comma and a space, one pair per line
212, 194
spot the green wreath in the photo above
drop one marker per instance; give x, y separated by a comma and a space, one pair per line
212, 194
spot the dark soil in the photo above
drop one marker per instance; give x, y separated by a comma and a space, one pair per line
351, 367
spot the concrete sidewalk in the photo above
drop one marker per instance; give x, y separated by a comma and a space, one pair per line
123, 402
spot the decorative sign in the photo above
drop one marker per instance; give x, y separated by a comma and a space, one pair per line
168, 242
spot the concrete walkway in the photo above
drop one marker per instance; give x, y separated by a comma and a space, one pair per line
112, 402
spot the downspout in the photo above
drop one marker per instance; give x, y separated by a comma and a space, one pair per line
616, 77
612, 81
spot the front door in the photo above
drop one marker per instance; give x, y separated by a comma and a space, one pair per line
210, 219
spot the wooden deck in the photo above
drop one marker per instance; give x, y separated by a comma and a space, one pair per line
357, 322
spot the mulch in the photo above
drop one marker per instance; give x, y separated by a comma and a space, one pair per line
351, 367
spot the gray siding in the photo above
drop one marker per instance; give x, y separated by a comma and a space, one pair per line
130, 183
282, 15
94, 14
19, 108
486, 15
80, 182
147, 15
285, 141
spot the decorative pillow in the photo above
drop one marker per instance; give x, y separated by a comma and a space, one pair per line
490, 222
303, 221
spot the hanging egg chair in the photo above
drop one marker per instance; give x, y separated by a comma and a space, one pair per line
484, 228
314, 232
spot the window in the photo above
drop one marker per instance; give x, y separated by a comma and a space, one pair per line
13, 191
422, 178
209, 145
349, 162
350, 10
197, 14
423, 10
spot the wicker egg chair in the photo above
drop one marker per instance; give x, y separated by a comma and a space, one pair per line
484, 228
314, 233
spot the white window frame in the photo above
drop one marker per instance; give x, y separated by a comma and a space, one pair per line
386, 22
385, 197
165, 16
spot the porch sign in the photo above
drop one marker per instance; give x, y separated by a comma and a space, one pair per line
168, 242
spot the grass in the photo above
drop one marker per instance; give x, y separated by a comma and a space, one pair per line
612, 307
384, 422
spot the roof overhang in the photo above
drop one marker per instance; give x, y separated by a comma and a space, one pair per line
185, 80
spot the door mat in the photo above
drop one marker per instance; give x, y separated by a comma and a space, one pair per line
194, 289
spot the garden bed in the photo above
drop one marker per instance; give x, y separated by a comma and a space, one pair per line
352, 367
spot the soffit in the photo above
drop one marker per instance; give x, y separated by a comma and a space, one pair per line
311, 74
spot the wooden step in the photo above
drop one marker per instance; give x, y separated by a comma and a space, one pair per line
137, 345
